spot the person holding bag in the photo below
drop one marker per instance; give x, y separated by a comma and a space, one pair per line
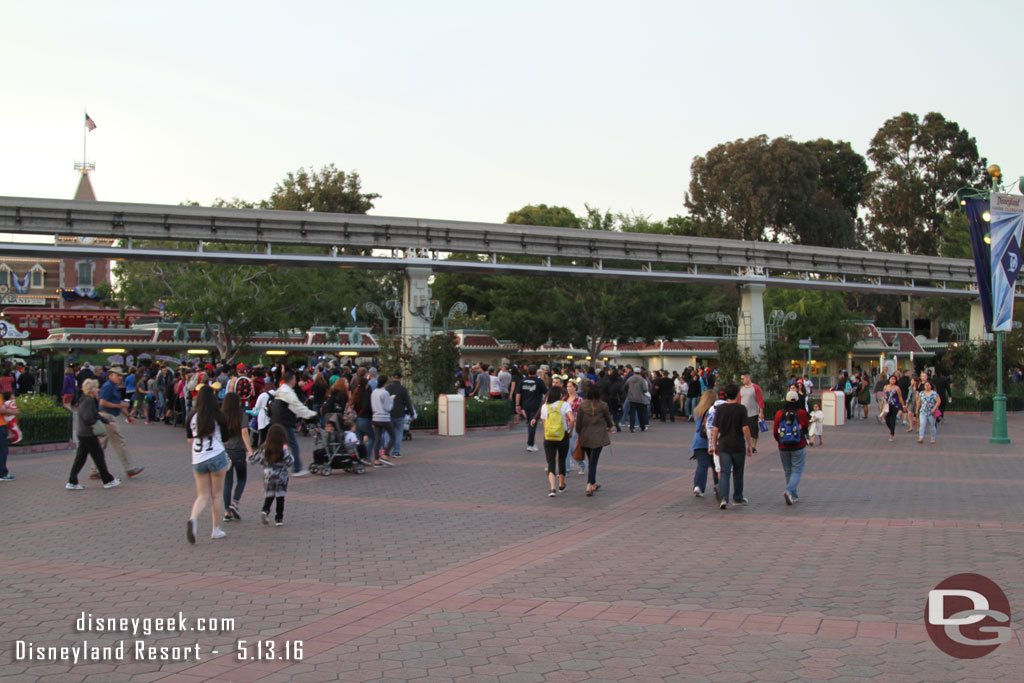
91, 426
928, 404
700, 446
593, 428
556, 416
892, 404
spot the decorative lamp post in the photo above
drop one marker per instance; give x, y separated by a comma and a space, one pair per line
997, 272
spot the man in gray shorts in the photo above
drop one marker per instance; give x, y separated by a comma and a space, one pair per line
753, 400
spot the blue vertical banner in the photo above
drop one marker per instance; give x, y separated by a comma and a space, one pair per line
1007, 222
977, 228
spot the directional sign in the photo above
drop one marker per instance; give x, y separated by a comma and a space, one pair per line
802, 345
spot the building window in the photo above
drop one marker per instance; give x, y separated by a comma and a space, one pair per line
37, 278
5, 279
85, 274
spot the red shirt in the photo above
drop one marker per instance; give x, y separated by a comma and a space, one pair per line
803, 418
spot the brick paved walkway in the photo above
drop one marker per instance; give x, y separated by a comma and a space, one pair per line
455, 565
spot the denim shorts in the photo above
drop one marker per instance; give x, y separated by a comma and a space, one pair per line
217, 463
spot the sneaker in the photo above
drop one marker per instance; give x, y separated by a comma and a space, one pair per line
378, 463
233, 511
643, 429
697, 492
217, 533
365, 462
788, 497
94, 476
583, 471
228, 517
386, 462
73, 487
723, 505
740, 501
552, 493
112, 483
754, 451
135, 472
279, 522
190, 531
264, 517
561, 488
532, 448
301, 473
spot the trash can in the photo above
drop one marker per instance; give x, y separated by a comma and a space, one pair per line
833, 405
451, 415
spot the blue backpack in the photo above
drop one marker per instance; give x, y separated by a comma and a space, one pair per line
789, 430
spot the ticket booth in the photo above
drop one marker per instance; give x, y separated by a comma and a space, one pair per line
833, 405
451, 415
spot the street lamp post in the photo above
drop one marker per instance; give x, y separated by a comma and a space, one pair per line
1000, 433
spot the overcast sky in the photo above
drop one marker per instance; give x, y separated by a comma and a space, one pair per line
469, 110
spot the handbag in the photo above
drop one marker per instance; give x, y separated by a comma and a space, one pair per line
885, 410
577, 452
99, 428
762, 425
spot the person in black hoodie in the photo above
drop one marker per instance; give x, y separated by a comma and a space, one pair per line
401, 405
666, 392
611, 393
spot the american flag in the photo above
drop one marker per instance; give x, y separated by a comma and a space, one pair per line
89, 123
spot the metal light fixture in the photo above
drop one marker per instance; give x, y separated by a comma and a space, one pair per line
276, 353
111, 350
198, 352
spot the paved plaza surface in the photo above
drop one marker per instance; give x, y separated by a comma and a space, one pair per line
455, 565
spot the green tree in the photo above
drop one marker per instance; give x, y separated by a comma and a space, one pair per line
761, 189
234, 302
919, 164
542, 214
821, 315
327, 190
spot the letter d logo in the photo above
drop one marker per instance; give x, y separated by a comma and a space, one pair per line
963, 612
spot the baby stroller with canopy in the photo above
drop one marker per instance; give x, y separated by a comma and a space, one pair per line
330, 452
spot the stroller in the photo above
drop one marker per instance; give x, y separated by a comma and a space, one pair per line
329, 451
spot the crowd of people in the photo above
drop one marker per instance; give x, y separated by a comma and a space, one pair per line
234, 415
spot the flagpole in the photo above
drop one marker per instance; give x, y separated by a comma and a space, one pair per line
85, 134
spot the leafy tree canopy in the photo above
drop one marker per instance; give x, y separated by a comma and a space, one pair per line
919, 164
761, 189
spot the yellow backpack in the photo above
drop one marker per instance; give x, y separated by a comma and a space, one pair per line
554, 427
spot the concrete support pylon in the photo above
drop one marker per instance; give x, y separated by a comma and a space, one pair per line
416, 306
750, 328
976, 331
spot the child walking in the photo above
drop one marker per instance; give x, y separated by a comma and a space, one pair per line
817, 425
277, 461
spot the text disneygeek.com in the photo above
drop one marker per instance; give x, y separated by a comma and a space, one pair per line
141, 650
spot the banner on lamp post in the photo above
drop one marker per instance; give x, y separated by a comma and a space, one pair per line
978, 229
1007, 222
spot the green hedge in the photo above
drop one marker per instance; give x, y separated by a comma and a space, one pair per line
981, 404
487, 413
970, 404
37, 428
